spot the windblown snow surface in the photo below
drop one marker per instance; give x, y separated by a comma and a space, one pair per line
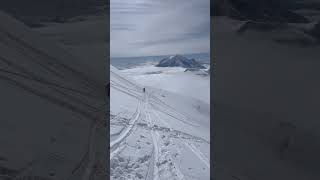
267, 98
158, 134
57, 128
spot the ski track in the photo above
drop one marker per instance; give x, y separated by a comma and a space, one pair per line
194, 149
154, 141
128, 130
177, 172
167, 157
116, 151
171, 111
125, 90
161, 161
197, 152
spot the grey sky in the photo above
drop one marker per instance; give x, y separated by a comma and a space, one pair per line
159, 27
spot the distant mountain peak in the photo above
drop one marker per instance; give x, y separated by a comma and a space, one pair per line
179, 61
176, 56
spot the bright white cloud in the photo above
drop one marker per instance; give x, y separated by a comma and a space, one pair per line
159, 27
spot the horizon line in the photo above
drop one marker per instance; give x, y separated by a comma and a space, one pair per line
159, 55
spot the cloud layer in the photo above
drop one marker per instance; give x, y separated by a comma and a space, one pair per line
159, 27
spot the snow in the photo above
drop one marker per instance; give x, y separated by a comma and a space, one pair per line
88, 46
166, 135
266, 96
58, 120
172, 79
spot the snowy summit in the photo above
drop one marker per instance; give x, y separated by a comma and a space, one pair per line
179, 61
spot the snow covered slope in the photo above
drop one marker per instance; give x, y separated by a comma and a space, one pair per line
266, 122
173, 79
59, 120
156, 134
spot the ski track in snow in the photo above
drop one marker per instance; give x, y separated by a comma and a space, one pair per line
154, 141
160, 162
177, 172
194, 149
126, 132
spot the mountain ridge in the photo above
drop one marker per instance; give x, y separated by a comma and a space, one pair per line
179, 61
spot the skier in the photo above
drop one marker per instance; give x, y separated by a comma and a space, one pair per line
144, 89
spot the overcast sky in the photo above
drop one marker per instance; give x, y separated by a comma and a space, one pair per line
159, 27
